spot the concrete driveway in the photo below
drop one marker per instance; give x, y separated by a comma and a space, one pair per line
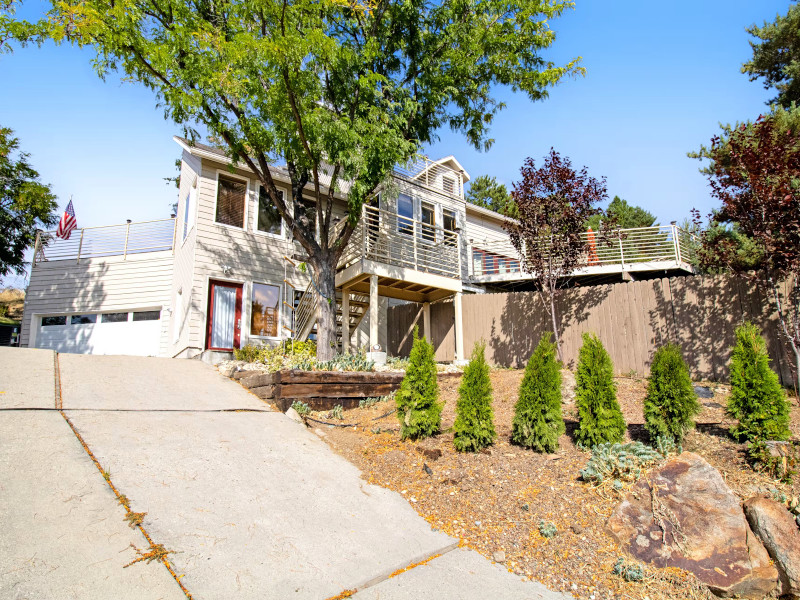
248, 503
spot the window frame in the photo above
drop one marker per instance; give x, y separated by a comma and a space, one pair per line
91, 316
189, 210
405, 225
278, 321
43, 317
127, 314
428, 231
246, 180
257, 210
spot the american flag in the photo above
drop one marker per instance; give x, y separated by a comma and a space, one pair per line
67, 223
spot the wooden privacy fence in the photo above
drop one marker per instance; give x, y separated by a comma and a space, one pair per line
633, 319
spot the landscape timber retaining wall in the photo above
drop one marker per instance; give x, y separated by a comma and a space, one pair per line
321, 390
633, 319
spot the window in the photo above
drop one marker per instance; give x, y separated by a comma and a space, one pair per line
269, 219
230, 201
450, 228
147, 315
83, 319
449, 185
50, 321
188, 211
265, 310
428, 214
405, 214
118, 317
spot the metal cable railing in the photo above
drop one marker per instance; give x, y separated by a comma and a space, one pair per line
110, 240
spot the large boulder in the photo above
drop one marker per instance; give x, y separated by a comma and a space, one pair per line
684, 515
776, 528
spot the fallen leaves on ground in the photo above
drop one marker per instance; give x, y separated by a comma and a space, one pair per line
494, 500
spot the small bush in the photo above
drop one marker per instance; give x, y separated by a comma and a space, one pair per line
474, 426
285, 355
547, 529
337, 412
671, 403
599, 416
757, 400
397, 362
629, 571
347, 362
301, 408
537, 415
778, 466
418, 407
619, 462
367, 402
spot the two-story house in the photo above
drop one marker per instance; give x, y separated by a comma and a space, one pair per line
225, 272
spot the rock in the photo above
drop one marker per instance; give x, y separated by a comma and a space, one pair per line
319, 432
703, 391
294, 416
499, 556
775, 527
576, 529
431, 454
227, 370
567, 386
698, 526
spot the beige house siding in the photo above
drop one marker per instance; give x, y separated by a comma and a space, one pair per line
142, 281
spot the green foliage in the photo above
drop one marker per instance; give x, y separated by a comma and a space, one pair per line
757, 400
418, 408
337, 412
474, 426
629, 571
781, 466
537, 415
397, 362
485, 191
619, 462
792, 503
25, 204
367, 402
285, 355
547, 529
671, 402
622, 215
599, 416
347, 362
776, 56
665, 445
301, 407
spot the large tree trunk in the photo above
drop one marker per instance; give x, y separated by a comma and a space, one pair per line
326, 311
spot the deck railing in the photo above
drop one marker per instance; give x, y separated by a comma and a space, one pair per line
388, 238
110, 240
433, 175
623, 248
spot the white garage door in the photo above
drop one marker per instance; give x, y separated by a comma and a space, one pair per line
135, 332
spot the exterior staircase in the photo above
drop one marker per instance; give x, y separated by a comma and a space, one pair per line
305, 313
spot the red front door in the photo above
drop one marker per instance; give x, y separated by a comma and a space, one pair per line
224, 315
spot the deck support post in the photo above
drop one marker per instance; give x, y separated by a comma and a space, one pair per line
426, 320
459, 325
373, 312
345, 320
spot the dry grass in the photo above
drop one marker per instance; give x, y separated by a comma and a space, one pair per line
494, 500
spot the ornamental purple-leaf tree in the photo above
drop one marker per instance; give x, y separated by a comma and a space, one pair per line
755, 174
553, 205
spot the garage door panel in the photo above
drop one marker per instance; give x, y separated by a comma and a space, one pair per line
138, 338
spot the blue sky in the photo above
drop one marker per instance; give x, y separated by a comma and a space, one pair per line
660, 77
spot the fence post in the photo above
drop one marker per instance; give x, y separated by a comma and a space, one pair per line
676, 241
127, 235
621, 252
80, 247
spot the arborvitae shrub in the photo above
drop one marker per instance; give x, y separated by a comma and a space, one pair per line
757, 400
537, 415
474, 426
671, 402
599, 416
418, 407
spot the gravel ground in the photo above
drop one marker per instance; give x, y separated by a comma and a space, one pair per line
495, 500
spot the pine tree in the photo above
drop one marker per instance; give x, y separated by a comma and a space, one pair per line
757, 400
474, 426
537, 415
671, 402
599, 416
418, 407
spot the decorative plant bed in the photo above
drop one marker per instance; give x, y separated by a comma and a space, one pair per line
321, 390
